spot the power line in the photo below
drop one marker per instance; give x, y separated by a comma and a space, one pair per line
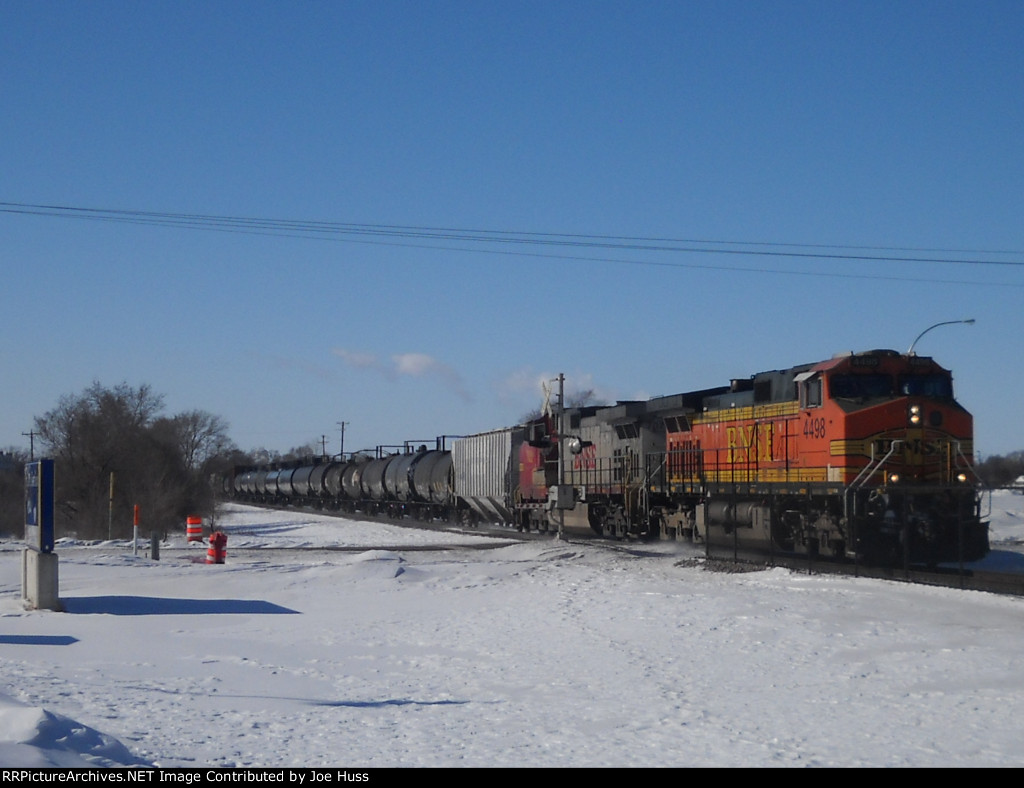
405, 235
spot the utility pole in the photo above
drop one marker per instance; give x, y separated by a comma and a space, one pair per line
110, 510
341, 451
561, 452
31, 435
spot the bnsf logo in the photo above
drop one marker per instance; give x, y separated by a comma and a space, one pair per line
915, 447
748, 442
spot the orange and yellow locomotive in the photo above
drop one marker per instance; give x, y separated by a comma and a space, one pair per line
865, 455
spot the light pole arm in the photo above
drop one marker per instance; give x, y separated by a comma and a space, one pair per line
969, 322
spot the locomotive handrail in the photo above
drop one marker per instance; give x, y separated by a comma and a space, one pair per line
650, 473
967, 465
870, 471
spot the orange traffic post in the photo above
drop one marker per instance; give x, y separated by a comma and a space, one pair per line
194, 529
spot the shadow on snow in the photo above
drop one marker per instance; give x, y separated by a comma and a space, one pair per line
37, 640
164, 606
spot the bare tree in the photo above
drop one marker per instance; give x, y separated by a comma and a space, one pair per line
12, 491
201, 437
310, 449
1001, 471
156, 463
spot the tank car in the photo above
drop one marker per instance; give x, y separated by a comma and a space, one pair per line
397, 481
431, 483
412, 482
350, 481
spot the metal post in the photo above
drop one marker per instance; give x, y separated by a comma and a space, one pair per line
110, 510
561, 451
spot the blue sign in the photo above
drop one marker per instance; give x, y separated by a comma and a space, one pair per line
39, 505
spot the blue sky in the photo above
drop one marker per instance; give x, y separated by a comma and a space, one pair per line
835, 130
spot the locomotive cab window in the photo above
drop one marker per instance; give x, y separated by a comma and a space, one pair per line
810, 389
938, 386
861, 386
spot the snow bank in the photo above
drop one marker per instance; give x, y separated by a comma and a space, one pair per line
545, 653
34, 737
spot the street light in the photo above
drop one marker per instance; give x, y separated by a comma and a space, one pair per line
969, 322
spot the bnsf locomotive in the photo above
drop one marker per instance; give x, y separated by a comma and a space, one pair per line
866, 456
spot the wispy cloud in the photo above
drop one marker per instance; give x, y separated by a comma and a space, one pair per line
291, 365
363, 360
420, 365
413, 365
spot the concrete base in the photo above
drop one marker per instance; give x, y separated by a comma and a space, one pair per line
39, 588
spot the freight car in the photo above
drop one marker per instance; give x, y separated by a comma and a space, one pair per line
396, 481
865, 455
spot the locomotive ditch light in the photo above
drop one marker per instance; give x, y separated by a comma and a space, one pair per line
894, 478
961, 477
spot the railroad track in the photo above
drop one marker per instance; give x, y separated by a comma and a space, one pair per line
437, 526
718, 558
1008, 583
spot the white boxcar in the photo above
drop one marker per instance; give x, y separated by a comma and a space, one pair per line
485, 472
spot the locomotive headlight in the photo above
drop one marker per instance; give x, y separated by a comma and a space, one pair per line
576, 444
915, 414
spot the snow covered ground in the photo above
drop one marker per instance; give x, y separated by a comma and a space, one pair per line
526, 654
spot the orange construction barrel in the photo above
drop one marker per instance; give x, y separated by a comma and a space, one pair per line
194, 529
218, 548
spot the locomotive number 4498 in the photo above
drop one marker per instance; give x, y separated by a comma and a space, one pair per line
814, 428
